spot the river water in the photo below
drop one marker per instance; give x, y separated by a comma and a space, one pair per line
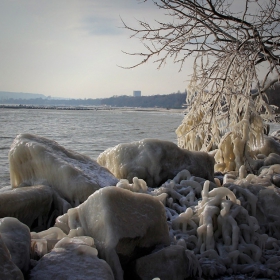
87, 132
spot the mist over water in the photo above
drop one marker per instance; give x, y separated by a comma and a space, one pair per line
86, 132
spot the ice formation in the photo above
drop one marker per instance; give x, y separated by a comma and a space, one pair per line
223, 231
36, 160
132, 230
231, 151
154, 161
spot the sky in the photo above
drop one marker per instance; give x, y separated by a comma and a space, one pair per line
73, 49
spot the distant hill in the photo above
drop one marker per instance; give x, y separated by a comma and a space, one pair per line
173, 100
20, 95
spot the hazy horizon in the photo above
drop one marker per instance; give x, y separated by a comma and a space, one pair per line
73, 48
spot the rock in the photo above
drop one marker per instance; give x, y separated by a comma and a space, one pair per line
276, 133
124, 225
16, 237
276, 180
8, 270
30, 205
272, 159
268, 215
170, 263
37, 160
270, 146
74, 259
155, 161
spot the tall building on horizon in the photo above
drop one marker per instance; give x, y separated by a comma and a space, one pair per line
137, 93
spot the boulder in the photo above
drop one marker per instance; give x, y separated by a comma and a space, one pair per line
72, 258
36, 160
170, 263
30, 205
125, 225
8, 270
271, 145
16, 237
155, 161
272, 159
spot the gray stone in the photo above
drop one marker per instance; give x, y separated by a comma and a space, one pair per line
272, 159
8, 270
71, 259
170, 263
276, 180
16, 237
27, 204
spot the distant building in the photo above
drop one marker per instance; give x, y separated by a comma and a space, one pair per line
137, 93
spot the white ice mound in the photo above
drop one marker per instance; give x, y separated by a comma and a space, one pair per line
72, 258
155, 161
27, 204
124, 225
36, 160
8, 270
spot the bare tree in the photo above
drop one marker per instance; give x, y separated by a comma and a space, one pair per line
236, 47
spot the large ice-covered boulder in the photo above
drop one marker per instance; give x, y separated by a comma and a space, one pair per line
8, 270
72, 258
155, 161
16, 237
30, 205
36, 160
123, 224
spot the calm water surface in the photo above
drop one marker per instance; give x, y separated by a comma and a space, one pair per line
86, 132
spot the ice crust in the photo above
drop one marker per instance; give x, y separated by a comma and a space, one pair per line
36, 160
155, 161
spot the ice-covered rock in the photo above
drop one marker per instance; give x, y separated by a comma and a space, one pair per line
27, 204
155, 161
72, 258
8, 270
170, 263
37, 160
125, 225
271, 145
16, 237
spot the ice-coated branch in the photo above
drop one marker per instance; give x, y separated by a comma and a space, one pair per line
229, 44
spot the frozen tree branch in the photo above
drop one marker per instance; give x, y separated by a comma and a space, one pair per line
229, 44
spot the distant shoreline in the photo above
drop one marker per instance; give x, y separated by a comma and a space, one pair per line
93, 108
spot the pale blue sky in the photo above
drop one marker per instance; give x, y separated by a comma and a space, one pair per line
71, 48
